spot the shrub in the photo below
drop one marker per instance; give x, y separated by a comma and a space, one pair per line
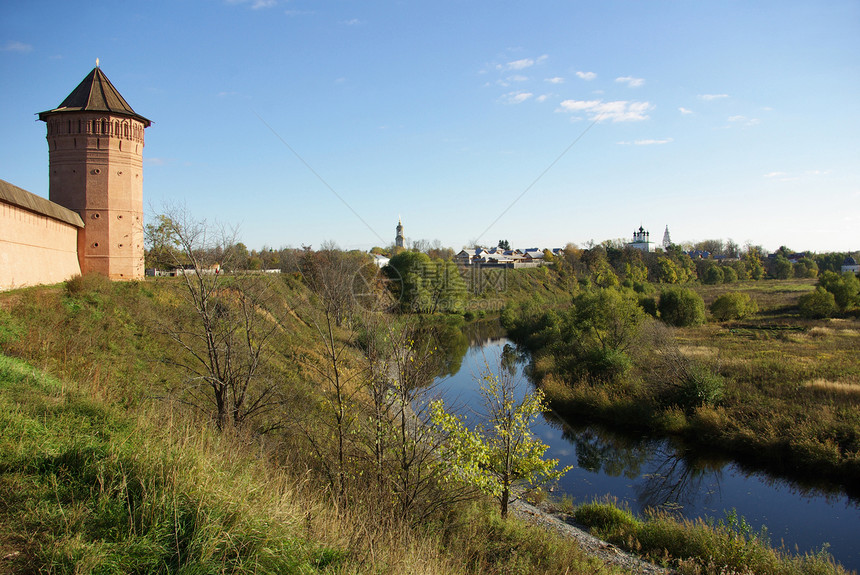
606, 518
607, 364
90, 283
845, 288
701, 387
713, 275
733, 305
730, 276
649, 305
817, 304
681, 307
782, 269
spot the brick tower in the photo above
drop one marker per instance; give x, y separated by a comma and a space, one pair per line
95, 147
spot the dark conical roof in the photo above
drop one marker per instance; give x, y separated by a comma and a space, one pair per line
95, 93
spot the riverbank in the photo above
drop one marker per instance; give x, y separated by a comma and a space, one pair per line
643, 473
776, 389
563, 525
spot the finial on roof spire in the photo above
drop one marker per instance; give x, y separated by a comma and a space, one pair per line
97, 62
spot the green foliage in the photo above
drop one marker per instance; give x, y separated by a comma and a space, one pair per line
667, 271
162, 245
636, 272
844, 287
754, 267
733, 305
730, 275
503, 451
713, 275
740, 269
424, 285
603, 275
595, 334
648, 305
817, 304
700, 386
806, 268
681, 307
781, 268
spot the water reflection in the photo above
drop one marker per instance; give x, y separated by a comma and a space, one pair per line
667, 474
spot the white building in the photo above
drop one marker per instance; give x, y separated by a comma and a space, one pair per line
642, 241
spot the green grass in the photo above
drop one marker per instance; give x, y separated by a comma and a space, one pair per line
102, 471
789, 395
89, 490
696, 547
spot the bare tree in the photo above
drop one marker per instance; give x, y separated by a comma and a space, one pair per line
330, 275
224, 328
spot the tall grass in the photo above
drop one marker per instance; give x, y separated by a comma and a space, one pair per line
102, 472
697, 546
788, 385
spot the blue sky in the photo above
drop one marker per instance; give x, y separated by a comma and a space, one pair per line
539, 122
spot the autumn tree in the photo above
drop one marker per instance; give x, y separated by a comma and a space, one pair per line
501, 452
161, 243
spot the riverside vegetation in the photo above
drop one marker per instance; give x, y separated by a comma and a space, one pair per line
231, 424
778, 390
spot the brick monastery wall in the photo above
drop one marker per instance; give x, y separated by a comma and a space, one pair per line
35, 249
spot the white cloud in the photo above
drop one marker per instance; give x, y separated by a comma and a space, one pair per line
648, 142
744, 120
518, 78
352, 22
709, 97
586, 75
685, 111
517, 97
255, 4
520, 64
556, 80
617, 111
15, 46
631, 81
542, 98
781, 176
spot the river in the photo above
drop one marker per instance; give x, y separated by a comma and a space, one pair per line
647, 473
